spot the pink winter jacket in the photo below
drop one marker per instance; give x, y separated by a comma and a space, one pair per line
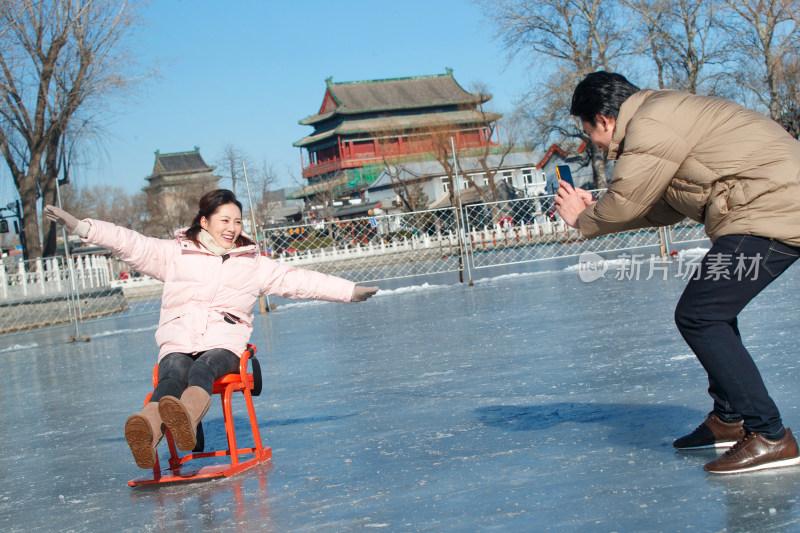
200, 286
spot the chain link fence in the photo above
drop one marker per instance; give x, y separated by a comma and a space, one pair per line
685, 232
372, 248
53, 291
529, 229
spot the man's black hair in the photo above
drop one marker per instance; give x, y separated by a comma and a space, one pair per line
600, 93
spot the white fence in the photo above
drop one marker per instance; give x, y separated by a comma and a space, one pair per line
51, 276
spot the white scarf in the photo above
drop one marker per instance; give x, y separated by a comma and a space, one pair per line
213, 246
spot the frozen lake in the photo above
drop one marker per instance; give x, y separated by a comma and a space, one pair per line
531, 401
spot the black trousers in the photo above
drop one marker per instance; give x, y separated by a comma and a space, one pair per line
731, 274
176, 371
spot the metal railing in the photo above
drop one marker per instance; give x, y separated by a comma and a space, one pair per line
420, 244
371, 248
53, 291
528, 229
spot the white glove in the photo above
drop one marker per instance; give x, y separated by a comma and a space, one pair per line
361, 294
62, 218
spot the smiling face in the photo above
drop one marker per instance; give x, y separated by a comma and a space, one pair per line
601, 131
224, 224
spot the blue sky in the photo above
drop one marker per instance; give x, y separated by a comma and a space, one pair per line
244, 72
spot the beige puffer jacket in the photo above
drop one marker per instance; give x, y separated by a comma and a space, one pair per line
716, 162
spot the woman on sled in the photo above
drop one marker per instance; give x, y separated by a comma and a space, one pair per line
213, 276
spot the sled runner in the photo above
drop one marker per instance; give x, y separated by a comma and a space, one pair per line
179, 470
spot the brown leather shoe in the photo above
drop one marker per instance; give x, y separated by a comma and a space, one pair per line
754, 452
712, 433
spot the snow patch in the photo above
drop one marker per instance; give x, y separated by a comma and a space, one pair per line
682, 357
123, 331
19, 347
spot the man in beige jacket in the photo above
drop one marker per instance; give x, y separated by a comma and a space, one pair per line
737, 172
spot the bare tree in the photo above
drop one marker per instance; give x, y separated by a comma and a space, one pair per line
683, 39
262, 182
477, 151
466, 163
58, 60
585, 34
789, 94
323, 194
116, 205
490, 157
440, 141
652, 15
408, 190
417, 197
74, 201
105, 202
565, 40
139, 212
768, 35
230, 162
400, 185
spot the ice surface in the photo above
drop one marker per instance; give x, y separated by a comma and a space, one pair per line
530, 401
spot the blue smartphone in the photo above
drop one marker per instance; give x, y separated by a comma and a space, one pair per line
564, 174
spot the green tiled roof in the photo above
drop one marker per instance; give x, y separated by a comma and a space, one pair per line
180, 162
396, 94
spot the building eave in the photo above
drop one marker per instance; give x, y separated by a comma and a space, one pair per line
385, 125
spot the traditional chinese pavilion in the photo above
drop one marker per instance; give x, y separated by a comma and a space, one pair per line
177, 182
361, 125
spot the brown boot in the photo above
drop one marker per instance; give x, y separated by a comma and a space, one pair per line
181, 416
142, 432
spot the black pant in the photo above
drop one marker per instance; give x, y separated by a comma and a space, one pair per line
731, 274
176, 371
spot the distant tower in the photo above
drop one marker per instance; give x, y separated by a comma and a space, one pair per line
175, 186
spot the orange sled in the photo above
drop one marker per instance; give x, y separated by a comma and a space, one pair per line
178, 470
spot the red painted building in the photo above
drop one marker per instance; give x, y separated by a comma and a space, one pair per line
364, 123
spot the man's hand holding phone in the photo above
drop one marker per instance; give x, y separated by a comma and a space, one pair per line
564, 174
571, 202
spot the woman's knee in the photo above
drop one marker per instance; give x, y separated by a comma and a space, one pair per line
173, 375
211, 366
